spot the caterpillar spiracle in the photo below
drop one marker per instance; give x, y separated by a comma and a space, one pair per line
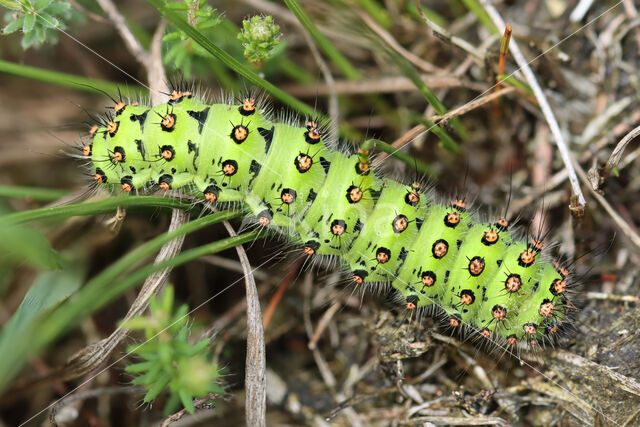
438, 256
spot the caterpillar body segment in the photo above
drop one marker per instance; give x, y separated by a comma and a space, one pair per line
424, 278
292, 174
351, 195
387, 235
231, 148
436, 256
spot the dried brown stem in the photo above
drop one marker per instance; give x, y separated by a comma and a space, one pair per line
472, 105
155, 70
504, 47
620, 222
129, 39
445, 35
391, 41
392, 84
199, 403
255, 370
542, 101
91, 15
277, 297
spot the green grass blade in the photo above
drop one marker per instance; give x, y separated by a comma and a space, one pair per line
377, 12
91, 208
324, 44
70, 80
418, 165
515, 82
112, 282
448, 144
20, 244
98, 293
33, 193
407, 68
477, 9
48, 291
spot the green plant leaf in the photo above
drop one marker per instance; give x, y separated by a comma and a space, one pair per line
48, 291
49, 21
70, 80
60, 9
29, 23
41, 4
187, 401
27, 40
14, 26
10, 4
157, 388
138, 367
21, 243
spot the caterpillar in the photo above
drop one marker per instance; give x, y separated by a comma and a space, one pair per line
437, 256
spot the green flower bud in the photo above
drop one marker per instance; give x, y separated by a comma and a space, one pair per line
259, 36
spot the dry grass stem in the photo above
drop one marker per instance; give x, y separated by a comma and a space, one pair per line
129, 39
542, 101
620, 222
442, 33
391, 41
255, 373
392, 84
198, 403
469, 106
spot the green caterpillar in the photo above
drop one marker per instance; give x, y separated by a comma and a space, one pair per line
437, 257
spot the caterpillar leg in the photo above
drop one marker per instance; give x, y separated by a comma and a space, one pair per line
135, 181
172, 181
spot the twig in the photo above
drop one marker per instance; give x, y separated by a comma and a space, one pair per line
460, 421
445, 35
391, 41
277, 297
597, 175
613, 297
544, 104
323, 323
199, 403
503, 53
255, 370
90, 14
620, 222
472, 105
155, 70
392, 84
130, 40
617, 152
322, 365
89, 394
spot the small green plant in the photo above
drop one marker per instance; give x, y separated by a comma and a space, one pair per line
39, 20
170, 362
181, 49
259, 37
